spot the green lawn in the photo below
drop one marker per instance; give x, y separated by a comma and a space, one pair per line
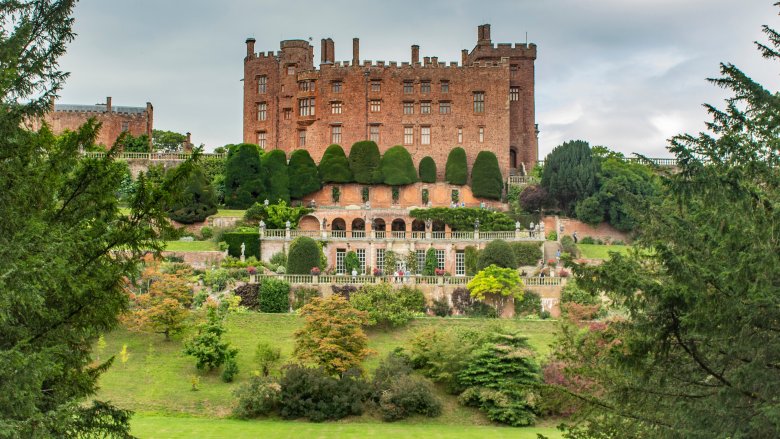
596, 251
191, 246
157, 376
231, 213
150, 427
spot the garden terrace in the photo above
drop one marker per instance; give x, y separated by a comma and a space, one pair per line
399, 235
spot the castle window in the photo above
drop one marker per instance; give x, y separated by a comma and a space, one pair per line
262, 111
460, 263
479, 101
408, 87
440, 259
361, 254
514, 93
306, 86
445, 86
340, 266
335, 86
481, 134
408, 135
261, 139
291, 70
445, 107
335, 134
380, 258
425, 107
262, 83
373, 133
287, 114
125, 126
376, 86
302, 138
420, 261
335, 107
408, 107
425, 135
376, 105
460, 135
513, 70
306, 107
425, 87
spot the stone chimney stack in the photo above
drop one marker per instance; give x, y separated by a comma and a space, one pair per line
426, 60
188, 143
331, 51
464, 56
415, 54
323, 51
355, 51
250, 47
483, 35
435, 60
108, 104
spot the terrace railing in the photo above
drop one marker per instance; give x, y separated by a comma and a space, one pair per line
158, 156
345, 279
362, 235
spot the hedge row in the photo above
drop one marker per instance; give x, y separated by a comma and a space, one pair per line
251, 241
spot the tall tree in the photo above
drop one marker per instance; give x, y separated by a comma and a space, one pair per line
698, 355
303, 174
198, 200
276, 180
167, 141
334, 166
243, 178
569, 174
364, 160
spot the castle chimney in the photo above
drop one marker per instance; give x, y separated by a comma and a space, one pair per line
415, 54
483, 35
464, 56
355, 51
426, 60
323, 51
331, 51
108, 104
435, 60
250, 47
188, 142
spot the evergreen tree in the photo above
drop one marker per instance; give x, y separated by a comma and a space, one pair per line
456, 170
499, 253
364, 161
397, 167
303, 174
427, 170
334, 166
243, 178
569, 174
304, 255
486, 179
198, 200
277, 182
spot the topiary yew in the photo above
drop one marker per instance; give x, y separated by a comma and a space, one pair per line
456, 170
427, 170
304, 255
486, 179
334, 166
243, 179
498, 253
397, 167
364, 161
304, 177
277, 181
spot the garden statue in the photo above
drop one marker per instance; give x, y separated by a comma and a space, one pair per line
265, 202
287, 225
517, 225
243, 248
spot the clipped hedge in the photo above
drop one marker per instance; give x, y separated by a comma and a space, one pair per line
364, 161
397, 167
427, 170
486, 179
526, 253
334, 166
497, 252
456, 170
243, 176
250, 239
303, 174
304, 254
274, 296
276, 181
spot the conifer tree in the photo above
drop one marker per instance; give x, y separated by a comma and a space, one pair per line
397, 167
276, 179
243, 176
427, 170
334, 166
364, 160
486, 180
456, 170
303, 174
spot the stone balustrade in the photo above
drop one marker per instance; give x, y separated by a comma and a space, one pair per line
306, 279
363, 235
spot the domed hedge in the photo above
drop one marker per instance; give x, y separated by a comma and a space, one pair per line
486, 180
397, 167
304, 255
277, 182
427, 170
364, 160
334, 166
303, 174
456, 170
243, 179
498, 253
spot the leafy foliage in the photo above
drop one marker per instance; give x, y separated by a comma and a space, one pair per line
385, 307
129, 143
486, 178
499, 253
397, 167
276, 215
427, 170
167, 141
260, 396
526, 253
456, 170
276, 180
431, 262
208, 347
267, 357
352, 263
463, 218
251, 241
364, 159
198, 201
441, 353
533, 198
249, 296
334, 166
243, 176
332, 336
530, 304
304, 177
304, 255
161, 304
496, 283
312, 393
471, 260
570, 173
274, 296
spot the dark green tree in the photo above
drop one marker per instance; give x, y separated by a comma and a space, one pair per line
427, 170
364, 161
276, 180
431, 262
127, 142
168, 141
303, 174
198, 200
497, 252
456, 170
697, 354
243, 176
397, 167
486, 179
569, 174
334, 166
304, 255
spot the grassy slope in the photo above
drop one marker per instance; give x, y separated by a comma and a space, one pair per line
596, 251
157, 376
191, 246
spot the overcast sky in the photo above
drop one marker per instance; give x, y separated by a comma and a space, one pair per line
628, 74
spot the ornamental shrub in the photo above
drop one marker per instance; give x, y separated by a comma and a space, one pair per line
431, 263
499, 253
408, 395
258, 397
441, 307
230, 370
412, 299
208, 347
456, 170
568, 246
364, 160
397, 167
243, 176
465, 305
530, 304
526, 253
486, 179
276, 179
274, 296
197, 202
427, 170
304, 255
304, 177
463, 218
384, 306
313, 394
249, 296
533, 198
334, 166
276, 215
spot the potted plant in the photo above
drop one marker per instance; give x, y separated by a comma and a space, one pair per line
315, 271
252, 274
439, 272
377, 272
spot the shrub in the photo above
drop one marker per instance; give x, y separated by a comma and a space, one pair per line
311, 393
267, 357
258, 397
279, 258
384, 307
230, 370
251, 241
463, 218
441, 307
302, 296
274, 296
570, 173
499, 253
276, 215
335, 194
412, 299
533, 198
334, 166
206, 233
243, 176
344, 291
431, 262
590, 211
552, 236
526, 253
304, 254
217, 279
587, 240
568, 245
471, 259
276, 179
364, 160
427, 170
530, 304
425, 196
486, 178
440, 353
406, 396
249, 296
352, 262
465, 305
207, 346
456, 170
197, 201
397, 167
304, 178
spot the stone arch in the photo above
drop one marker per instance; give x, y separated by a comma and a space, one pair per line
309, 222
437, 226
338, 224
398, 225
358, 224
379, 225
418, 225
